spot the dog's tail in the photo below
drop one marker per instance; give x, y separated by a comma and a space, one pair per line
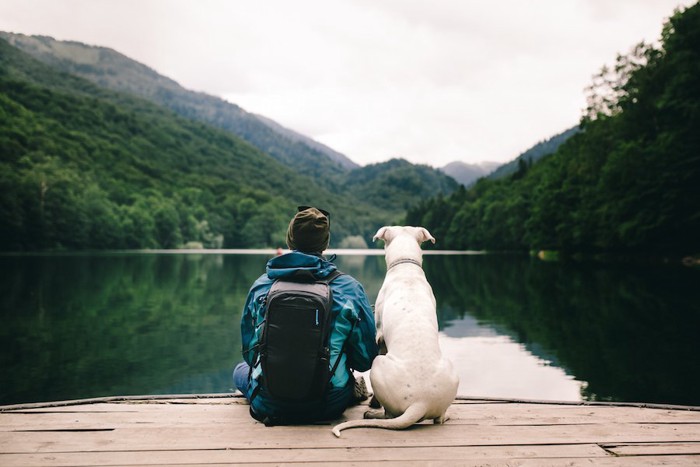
413, 414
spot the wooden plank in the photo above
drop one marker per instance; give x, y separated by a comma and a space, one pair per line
129, 406
604, 462
515, 413
200, 431
258, 436
120, 419
354, 454
654, 449
116, 416
78, 403
77, 460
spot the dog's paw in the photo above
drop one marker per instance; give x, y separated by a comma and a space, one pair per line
441, 419
372, 414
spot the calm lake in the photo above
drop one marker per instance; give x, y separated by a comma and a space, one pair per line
78, 326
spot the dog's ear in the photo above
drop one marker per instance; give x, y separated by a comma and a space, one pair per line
424, 235
380, 234
383, 234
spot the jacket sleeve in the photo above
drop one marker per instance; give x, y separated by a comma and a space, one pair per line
252, 317
362, 347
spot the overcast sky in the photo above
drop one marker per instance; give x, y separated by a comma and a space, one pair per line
431, 81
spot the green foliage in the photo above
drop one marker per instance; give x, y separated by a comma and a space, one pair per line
397, 184
111, 70
626, 183
85, 167
535, 153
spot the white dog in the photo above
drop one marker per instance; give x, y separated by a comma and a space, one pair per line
413, 382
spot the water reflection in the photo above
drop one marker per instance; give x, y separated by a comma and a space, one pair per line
628, 331
492, 364
96, 325
88, 326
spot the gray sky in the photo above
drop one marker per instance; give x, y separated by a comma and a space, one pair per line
431, 81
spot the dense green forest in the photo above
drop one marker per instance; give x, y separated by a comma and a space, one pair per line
111, 70
396, 184
83, 167
627, 182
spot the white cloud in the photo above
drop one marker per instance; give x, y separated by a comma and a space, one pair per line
429, 81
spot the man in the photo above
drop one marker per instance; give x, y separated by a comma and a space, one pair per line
352, 338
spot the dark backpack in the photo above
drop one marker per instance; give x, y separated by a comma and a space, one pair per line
294, 350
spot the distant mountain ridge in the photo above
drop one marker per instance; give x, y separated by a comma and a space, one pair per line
293, 135
535, 153
466, 174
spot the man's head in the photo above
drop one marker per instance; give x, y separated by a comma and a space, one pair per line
309, 230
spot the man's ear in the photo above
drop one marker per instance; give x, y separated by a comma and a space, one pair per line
425, 235
380, 234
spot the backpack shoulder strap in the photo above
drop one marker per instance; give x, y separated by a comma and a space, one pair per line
331, 277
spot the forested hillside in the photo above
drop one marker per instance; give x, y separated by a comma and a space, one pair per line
110, 69
628, 182
397, 184
83, 166
535, 153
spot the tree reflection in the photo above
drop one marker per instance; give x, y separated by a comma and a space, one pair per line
87, 326
628, 330
95, 325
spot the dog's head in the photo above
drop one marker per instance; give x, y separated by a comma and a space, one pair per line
390, 232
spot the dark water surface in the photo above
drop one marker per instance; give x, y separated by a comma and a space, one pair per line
77, 326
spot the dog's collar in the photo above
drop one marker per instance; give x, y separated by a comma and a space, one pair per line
405, 260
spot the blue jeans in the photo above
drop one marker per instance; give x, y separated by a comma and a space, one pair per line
240, 377
337, 400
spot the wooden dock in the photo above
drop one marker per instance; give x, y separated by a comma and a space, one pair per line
216, 429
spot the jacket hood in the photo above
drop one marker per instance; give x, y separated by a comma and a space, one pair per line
291, 263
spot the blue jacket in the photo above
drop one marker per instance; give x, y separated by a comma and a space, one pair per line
350, 304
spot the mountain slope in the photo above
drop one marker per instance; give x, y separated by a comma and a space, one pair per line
626, 184
112, 70
326, 167
84, 167
397, 184
535, 153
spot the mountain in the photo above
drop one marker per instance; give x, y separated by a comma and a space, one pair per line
535, 153
83, 166
466, 174
112, 70
626, 184
397, 184
297, 137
